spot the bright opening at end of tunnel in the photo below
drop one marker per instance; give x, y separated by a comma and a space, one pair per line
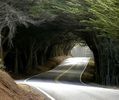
75, 61
81, 51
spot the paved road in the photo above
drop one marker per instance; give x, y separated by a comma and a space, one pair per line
70, 70
61, 91
53, 83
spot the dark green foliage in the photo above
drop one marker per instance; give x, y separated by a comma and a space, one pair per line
107, 13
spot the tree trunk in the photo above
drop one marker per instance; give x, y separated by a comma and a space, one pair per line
1, 54
105, 52
16, 62
107, 62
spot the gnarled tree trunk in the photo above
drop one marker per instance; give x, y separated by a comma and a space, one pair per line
106, 53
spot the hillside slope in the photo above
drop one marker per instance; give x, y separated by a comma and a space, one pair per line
9, 90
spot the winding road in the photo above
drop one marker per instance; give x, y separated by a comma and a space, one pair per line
70, 70
64, 83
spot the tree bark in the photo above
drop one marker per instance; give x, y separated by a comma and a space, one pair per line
1, 54
16, 62
105, 53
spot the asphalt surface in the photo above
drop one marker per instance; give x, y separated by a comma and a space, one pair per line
64, 83
70, 70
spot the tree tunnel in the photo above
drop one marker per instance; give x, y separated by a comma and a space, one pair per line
35, 44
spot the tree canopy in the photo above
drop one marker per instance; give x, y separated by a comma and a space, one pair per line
102, 14
40, 27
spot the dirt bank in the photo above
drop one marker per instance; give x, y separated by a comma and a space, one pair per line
9, 90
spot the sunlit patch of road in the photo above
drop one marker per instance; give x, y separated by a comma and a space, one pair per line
61, 91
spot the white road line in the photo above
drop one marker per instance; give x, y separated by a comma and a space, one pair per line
30, 78
45, 93
83, 72
59, 76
